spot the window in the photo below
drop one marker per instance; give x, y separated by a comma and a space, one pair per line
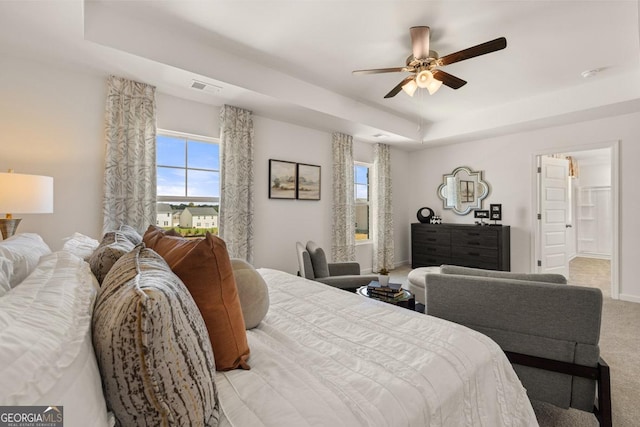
188, 175
361, 188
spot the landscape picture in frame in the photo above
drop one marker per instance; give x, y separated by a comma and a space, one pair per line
308, 182
282, 179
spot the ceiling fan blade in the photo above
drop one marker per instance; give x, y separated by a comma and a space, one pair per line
447, 79
398, 88
420, 42
472, 52
382, 70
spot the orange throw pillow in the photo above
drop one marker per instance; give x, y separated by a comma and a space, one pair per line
205, 268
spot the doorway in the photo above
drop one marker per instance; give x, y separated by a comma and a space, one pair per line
587, 238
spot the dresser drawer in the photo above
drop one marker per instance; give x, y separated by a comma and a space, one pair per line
432, 235
475, 257
481, 238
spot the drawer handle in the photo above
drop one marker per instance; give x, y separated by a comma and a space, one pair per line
431, 240
473, 254
474, 243
473, 234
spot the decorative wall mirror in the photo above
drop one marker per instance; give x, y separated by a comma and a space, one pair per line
463, 190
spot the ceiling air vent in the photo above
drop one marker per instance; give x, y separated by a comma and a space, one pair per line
207, 87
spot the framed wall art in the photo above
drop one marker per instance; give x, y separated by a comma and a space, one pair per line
308, 178
282, 179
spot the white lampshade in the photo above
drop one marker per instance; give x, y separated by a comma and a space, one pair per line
25, 194
410, 87
433, 86
423, 78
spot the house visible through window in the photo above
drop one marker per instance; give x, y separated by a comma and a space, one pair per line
361, 188
188, 182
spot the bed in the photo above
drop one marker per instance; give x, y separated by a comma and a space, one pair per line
321, 356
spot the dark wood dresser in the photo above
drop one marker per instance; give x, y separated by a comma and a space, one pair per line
466, 245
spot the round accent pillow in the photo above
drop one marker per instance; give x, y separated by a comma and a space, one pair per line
252, 291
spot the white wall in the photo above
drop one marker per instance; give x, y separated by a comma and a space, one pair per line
52, 124
279, 224
507, 163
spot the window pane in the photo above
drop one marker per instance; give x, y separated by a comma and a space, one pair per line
203, 184
362, 222
171, 182
362, 193
203, 155
361, 174
170, 151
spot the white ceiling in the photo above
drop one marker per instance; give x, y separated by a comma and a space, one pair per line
292, 60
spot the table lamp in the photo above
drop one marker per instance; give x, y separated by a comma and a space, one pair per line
23, 194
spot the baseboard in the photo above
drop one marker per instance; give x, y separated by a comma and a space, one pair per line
395, 265
630, 298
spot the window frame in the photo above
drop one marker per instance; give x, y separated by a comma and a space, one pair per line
369, 167
188, 199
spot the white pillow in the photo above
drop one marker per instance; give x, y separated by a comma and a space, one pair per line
46, 352
80, 245
24, 252
6, 269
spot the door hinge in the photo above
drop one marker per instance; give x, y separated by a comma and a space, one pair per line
539, 216
539, 263
539, 169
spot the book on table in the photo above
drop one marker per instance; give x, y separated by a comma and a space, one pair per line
392, 290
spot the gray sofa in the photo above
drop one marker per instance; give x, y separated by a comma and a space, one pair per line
538, 321
312, 264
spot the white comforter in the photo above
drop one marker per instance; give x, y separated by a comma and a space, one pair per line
325, 357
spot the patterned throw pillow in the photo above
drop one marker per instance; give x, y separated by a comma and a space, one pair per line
152, 346
114, 244
205, 268
130, 233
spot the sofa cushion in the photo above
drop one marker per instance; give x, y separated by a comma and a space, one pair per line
23, 251
252, 291
205, 268
535, 277
318, 260
113, 245
46, 355
152, 346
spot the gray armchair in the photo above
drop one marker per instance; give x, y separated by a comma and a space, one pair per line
547, 329
312, 264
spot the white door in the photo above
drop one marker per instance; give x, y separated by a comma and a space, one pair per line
553, 219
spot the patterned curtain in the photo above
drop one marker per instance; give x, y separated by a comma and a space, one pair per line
343, 245
236, 180
130, 166
382, 209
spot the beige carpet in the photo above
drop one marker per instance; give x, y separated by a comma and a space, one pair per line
619, 347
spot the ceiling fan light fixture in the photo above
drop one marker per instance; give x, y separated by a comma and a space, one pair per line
410, 87
433, 86
423, 78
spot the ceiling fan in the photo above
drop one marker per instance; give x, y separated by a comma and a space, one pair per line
424, 63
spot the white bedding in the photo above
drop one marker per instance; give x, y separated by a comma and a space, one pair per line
325, 357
